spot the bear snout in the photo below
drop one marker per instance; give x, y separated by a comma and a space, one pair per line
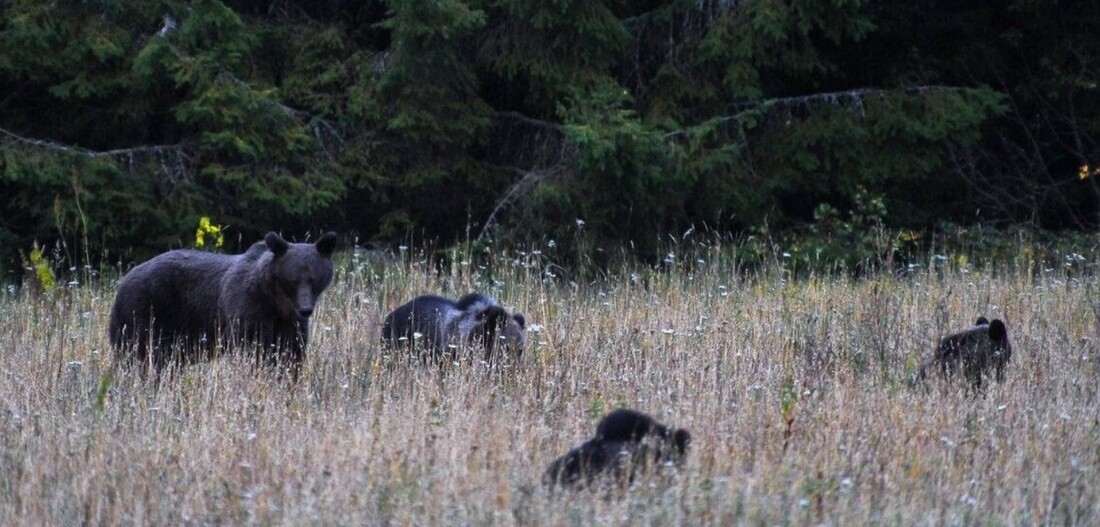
305, 300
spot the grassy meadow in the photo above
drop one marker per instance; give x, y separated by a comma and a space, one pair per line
795, 390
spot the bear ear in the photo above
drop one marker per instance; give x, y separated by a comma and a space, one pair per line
326, 244
997, 330
981, 321
520, 320
276, 243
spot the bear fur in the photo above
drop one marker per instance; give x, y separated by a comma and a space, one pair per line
183, 305
437, 324
976, 350
627, 444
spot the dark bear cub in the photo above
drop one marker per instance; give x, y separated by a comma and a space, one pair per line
439, 324
628, 444
976, 350
183, 305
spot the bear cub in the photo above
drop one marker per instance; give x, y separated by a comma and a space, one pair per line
976, 350
181, 306
440, 324
627, 444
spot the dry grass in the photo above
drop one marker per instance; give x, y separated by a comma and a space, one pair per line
741, 361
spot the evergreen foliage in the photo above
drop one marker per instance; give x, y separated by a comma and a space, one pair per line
122, 124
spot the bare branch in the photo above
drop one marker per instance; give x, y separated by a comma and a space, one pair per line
517, 191
533, 149
174, 160
852, 100
530, 121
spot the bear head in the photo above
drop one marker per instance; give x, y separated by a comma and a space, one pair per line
998, 338
993, 336
503, 331
298, 272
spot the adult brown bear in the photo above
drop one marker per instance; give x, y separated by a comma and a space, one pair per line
183, 305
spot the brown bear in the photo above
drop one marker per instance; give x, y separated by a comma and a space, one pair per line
627, 444
438, 324
978, 349
183, 305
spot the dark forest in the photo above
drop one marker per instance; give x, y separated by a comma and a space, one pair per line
123, 124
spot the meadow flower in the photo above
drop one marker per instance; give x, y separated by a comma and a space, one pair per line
209, 231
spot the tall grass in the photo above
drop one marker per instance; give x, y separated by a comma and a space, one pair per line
796, 393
